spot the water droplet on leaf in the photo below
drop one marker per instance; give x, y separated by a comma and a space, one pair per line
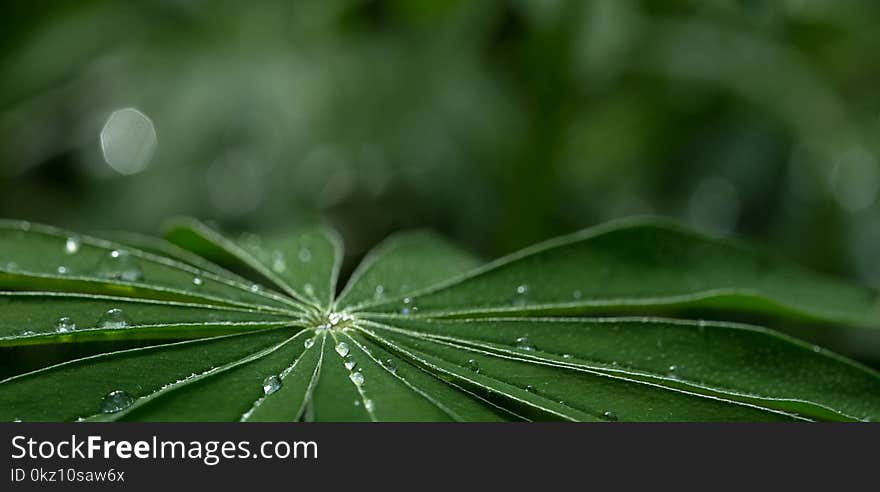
524, 343
65, 325
342, 349
473, 365
271, 384
610, 416
115, 401
349, 364
309, 343
71, 245
113, 318
356, 378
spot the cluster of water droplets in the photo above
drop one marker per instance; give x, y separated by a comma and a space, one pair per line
354, 372
335, 320
65, 325
113, 318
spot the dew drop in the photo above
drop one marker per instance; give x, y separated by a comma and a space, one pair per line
62, 270
28, 333
405, 311
342, 349
357, 403
309, 290
271, 384
530, 388
611, 416
389, 364
379, 291
356, 378
309, 343
305, 255
524, 343
566, 356
522, 289
349, 364
255, 288
71, 245
673, 368
65, 325
113, 318
473, 365
817, 348
197, 281
16, 420
116, 401
368, 405
576, 294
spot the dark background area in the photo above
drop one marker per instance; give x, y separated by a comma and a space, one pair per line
498, 124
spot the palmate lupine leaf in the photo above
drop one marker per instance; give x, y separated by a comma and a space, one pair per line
252, 329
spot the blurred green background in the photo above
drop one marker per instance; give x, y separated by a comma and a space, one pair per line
498, 124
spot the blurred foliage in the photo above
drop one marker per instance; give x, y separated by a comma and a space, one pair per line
496, 123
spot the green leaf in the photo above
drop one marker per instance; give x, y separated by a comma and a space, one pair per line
777, 372
638, 265
304, 264
49, 259
404, 263
428, 345
51, 317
